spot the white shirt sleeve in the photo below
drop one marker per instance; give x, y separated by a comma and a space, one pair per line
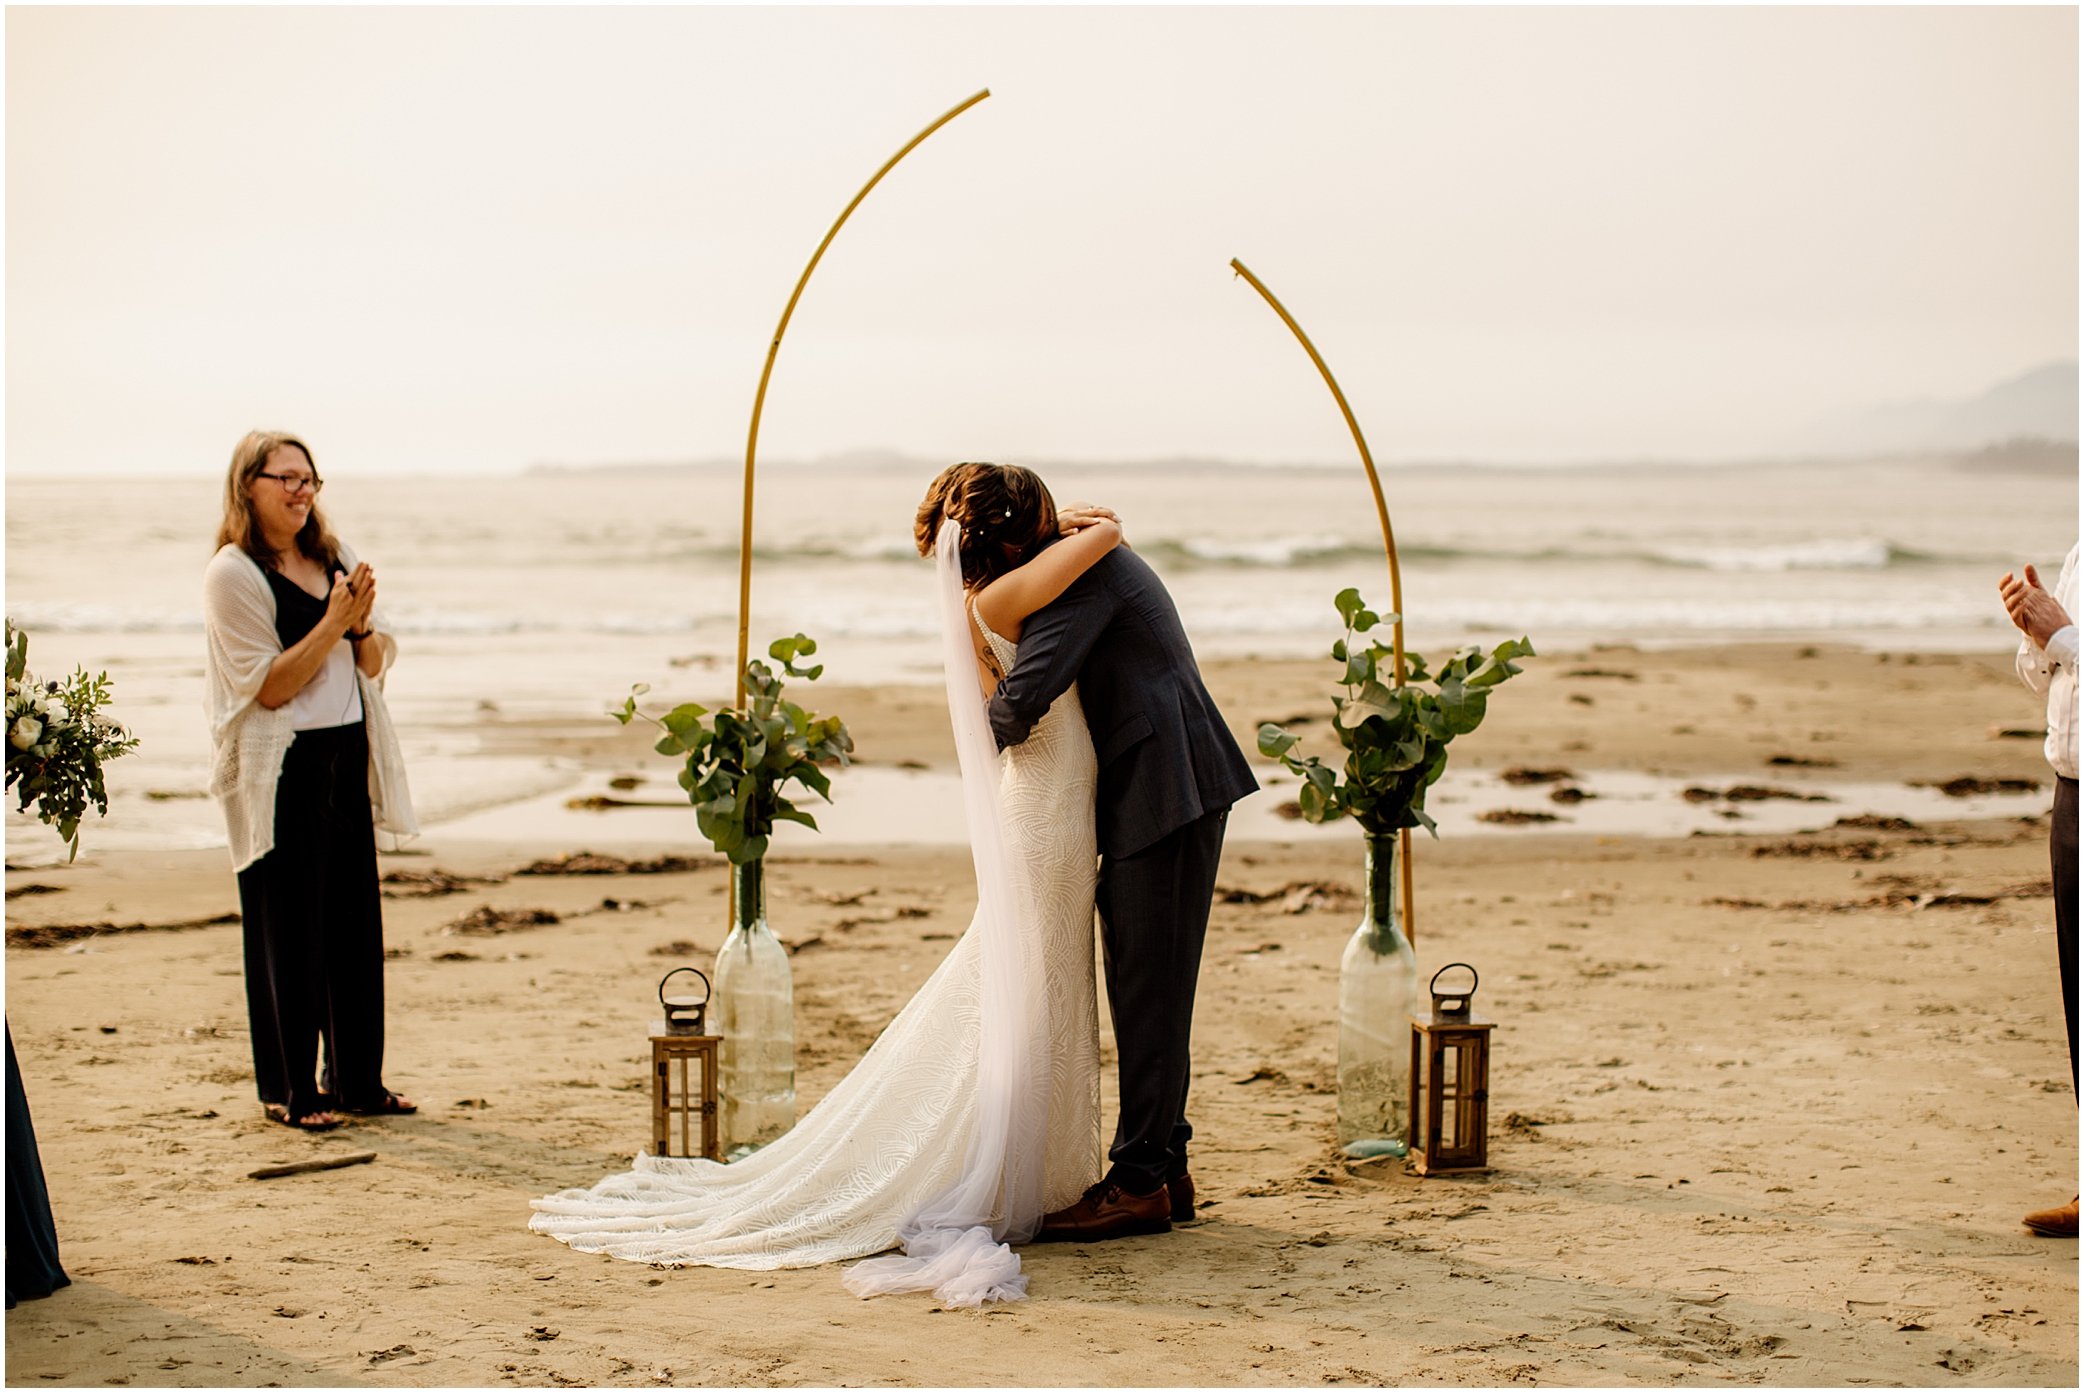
2037, 665
2062, 648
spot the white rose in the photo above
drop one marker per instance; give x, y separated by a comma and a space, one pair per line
59, 715
26, 732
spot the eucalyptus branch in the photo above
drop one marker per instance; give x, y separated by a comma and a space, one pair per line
1396, 737
736, 761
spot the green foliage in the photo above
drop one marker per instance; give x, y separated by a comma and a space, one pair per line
1395, 738
734, 763
57, 740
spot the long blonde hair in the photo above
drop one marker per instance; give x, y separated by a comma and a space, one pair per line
240, 528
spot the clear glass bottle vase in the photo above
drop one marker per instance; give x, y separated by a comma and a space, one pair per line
1378, 986
756, 1016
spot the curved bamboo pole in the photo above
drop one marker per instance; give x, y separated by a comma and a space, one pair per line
1389, 545
752, 438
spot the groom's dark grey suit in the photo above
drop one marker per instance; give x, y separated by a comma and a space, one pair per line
1169, 772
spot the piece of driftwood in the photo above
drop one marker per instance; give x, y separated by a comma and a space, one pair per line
299, 1167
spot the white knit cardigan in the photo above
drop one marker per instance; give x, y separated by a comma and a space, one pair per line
249, 739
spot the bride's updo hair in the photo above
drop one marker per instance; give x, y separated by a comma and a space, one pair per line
1005, 511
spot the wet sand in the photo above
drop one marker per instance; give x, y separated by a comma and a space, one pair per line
1766, 1106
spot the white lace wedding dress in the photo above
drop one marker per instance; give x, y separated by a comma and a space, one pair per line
978, 1108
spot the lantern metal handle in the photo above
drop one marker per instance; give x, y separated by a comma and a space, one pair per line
1460, 1009
676, 972
1434, 985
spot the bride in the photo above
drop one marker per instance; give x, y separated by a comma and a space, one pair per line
977, 1110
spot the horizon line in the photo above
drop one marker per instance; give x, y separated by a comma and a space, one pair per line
880, 458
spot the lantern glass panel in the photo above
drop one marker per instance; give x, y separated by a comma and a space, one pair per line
1462, 1121
1451, 1132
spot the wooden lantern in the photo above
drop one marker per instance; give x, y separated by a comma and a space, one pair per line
683, 1076
1450, 1082
683, 1096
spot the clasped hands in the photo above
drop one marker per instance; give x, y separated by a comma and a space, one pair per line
1076, 517
352, 600
2031, 607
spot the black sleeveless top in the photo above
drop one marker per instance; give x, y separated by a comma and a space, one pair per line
297, 610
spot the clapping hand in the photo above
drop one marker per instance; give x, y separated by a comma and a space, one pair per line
2031, 607
361, 587
341, 603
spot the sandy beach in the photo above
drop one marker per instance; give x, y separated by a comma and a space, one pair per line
1766, 1104
1727, 354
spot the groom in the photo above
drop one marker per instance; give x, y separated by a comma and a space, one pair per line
1169, 772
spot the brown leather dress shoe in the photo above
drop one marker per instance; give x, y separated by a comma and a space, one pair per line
1105, 1211
2059, 1222
1181, 1188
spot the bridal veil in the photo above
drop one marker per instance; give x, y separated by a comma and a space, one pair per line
958, 1244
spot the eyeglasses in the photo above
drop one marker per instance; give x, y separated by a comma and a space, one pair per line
296, 483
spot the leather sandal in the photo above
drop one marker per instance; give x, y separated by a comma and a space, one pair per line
389, 1105
318, 1121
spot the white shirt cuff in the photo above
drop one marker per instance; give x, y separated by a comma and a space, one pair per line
2061, 647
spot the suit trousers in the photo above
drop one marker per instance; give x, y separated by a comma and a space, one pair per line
2062, 857
314, 931
1154, 910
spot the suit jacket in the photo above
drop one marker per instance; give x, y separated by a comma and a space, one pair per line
1165, 755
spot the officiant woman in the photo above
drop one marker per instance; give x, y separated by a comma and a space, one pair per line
305, 767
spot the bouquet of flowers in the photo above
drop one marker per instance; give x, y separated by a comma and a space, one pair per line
57, 739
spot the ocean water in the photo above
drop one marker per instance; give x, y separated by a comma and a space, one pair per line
547, 594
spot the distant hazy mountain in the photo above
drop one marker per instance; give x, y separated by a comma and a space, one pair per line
2027, 422
2041, 404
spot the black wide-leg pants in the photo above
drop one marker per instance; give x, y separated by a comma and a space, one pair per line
2062, 857
32, 1237
1153, 918
314, 932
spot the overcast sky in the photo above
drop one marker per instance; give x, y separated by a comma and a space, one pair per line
477, 239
